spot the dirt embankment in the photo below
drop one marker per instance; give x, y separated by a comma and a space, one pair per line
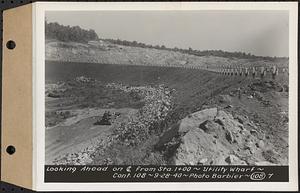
107, 53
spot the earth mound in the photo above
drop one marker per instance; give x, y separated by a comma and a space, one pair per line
215, 137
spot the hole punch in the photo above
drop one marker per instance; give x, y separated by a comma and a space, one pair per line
10, 44
10, 150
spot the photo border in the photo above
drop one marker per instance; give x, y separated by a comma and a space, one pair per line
39, 10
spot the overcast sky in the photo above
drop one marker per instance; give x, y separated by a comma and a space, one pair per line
262, 33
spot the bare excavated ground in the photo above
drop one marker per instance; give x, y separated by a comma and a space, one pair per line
108, 53
71, 138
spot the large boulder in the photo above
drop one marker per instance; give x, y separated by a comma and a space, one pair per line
183, 126
197, 118
228, 122
234, 160
210, 126
197, 148
224, 98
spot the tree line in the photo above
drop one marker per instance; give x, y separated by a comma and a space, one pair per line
67, 33
220, 53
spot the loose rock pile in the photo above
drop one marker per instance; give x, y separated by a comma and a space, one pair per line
55, 90
83, 79
158, 102
157, 105
215, 137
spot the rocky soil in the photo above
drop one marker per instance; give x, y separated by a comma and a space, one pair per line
245, 125
214, 137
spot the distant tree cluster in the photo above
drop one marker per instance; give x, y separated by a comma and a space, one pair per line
69, 34
133, 43
221, 53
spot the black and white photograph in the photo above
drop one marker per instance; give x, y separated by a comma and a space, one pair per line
176, 87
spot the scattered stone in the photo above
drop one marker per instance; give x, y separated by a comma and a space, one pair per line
190, 122
191, 147
224, 99
209, 126
286, 88
264, 163
250, 146
220, 161
252, 125
285, 118
220, 122
241, 127
260, 144
53, 95
229, 136
253, 132
83, 79
270, 155
203, 161
258, 95
239, 118
228, 107
234, 160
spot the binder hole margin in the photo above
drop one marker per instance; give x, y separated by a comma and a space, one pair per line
10, 149
10, 44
